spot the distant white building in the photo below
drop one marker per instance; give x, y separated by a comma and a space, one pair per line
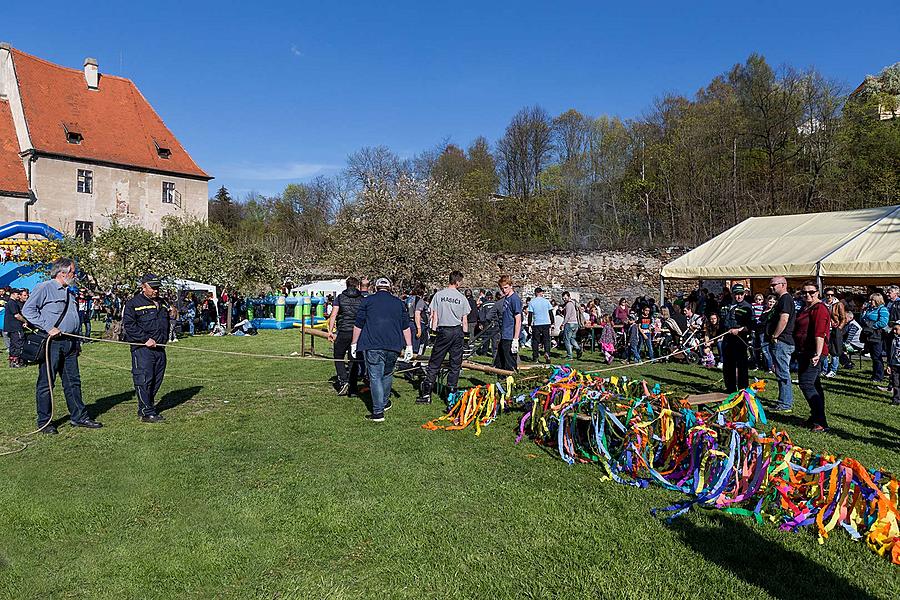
79, 148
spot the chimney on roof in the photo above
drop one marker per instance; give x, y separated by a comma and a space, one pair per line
91, 73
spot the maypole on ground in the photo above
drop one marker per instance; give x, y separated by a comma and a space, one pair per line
638, 435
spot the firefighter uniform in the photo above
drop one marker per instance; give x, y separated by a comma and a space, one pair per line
735, 363
145, 319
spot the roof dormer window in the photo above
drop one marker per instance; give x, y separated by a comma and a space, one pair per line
73, 136
162, 150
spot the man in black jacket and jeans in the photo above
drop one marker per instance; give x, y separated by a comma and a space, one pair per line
340, 333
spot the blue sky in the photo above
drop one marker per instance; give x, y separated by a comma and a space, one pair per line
265, 95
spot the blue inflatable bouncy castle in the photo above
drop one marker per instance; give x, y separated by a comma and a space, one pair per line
308, 309
18, 273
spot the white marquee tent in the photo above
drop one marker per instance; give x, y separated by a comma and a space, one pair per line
322, 288
845, 247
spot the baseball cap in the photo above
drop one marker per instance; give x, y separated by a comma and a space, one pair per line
538, 290
382, 282
151, 280
895, 323
738, 288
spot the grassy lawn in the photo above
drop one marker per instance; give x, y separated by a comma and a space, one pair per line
263, 484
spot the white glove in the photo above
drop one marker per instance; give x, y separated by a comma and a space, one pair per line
353, 350
514, 348
408, 354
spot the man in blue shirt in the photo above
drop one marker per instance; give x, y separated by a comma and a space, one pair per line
380, 332
540, 317
510, 326
54, 309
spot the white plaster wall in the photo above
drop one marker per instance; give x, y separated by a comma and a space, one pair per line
11, 209
9, 87
134, 197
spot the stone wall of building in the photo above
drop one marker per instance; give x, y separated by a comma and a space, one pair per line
607, 274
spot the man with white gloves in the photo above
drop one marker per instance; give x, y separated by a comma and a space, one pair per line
380, 331
510, 326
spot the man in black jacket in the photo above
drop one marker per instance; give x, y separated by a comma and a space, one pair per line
146, 321
340, 333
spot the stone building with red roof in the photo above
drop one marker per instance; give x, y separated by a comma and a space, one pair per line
79, 148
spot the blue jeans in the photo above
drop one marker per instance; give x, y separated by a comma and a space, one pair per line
380, 364
764, 350
569, 332
638, 340
85, 323
63, 361
781, 357
832, 363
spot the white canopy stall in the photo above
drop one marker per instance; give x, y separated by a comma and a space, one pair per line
848, 247
326, 287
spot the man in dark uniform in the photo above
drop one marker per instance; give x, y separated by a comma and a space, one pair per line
340, 333
146, 321
737, 319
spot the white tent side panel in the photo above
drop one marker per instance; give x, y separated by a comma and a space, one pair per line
790, 245
874, 253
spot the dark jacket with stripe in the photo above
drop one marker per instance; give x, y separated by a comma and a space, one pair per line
144, 319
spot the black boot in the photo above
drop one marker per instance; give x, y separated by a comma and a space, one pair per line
424, 393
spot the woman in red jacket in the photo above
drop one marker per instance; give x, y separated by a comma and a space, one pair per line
810, 340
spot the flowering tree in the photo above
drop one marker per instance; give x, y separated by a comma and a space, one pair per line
411, 231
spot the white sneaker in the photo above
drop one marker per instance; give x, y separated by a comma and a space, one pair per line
718, 365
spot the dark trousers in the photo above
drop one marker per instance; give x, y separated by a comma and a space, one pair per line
16, 339
735, 366
346, 374
449, 340
86, 323
810, 383
63, 362
505, 359
148, 367
540, 341
875, 349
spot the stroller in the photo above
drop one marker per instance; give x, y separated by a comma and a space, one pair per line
690, 346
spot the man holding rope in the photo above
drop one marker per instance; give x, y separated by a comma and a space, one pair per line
53, 309
146, 324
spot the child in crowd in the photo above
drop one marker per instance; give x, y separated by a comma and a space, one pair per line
894, 362
607, 338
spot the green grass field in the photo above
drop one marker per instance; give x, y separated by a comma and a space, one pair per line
261, 483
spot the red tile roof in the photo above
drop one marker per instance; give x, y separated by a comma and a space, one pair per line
12, 171
116, 122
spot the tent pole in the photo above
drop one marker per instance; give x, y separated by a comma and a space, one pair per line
662, 289
819, 276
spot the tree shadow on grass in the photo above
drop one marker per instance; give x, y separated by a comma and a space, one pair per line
887, 429
691, 387
737, 547
103, 405
177, 398
882, 442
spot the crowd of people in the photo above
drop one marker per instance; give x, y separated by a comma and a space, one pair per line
798, 336
809, 332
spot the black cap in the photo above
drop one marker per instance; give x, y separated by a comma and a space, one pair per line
151, 280
738, 288
538, 290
